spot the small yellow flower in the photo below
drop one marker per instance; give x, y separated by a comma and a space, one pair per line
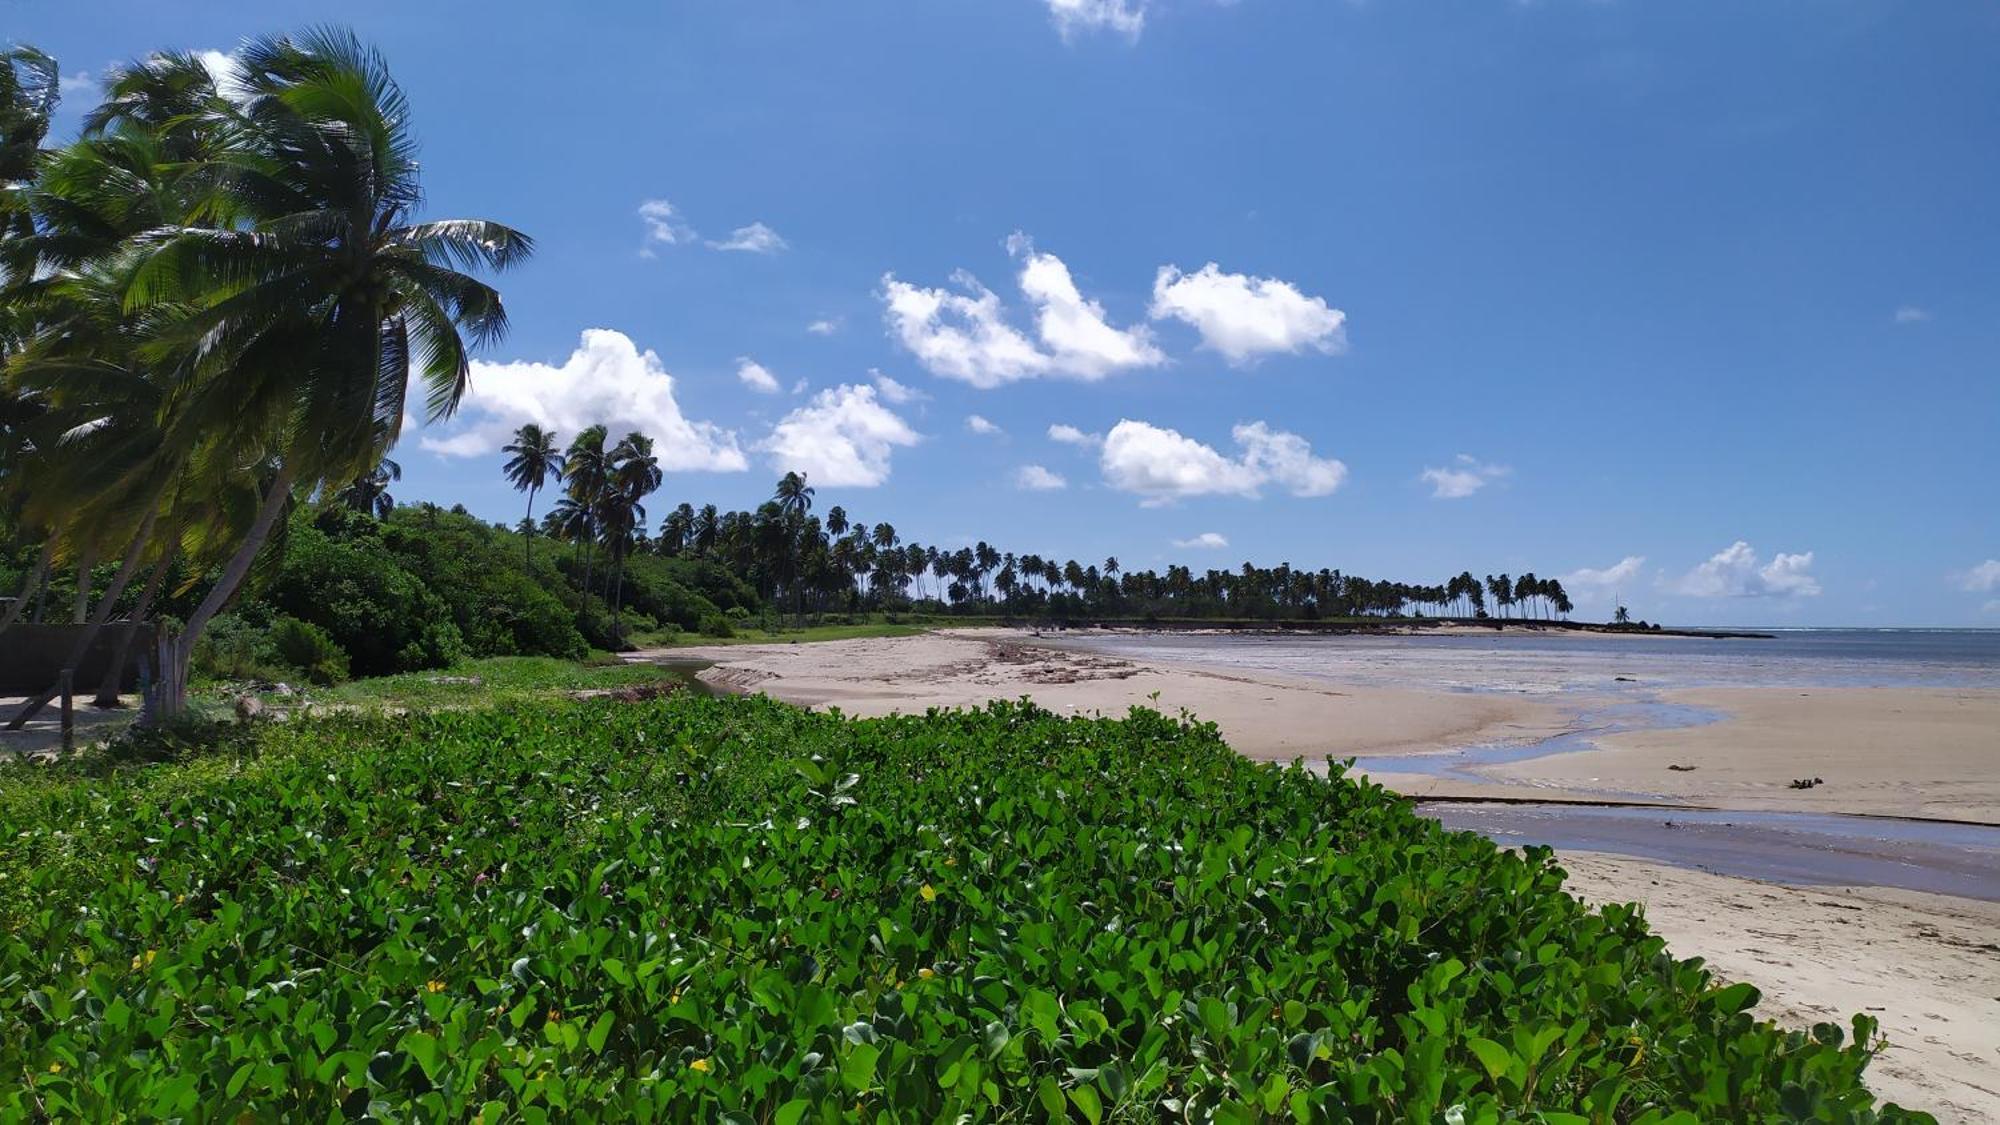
926, 973
951, 861
555, 1016
434, 987
702, 1065
674, 999
929, 892
55, 1068
144, 960
180, 900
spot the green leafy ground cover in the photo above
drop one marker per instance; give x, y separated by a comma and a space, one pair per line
734, 910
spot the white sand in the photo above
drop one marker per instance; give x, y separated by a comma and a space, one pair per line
1926, 966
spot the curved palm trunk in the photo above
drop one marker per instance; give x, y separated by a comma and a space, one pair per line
114, 672
126, 568
32, 585
170, 693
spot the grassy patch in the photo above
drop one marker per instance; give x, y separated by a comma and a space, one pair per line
752, 635
492, 681
728, 909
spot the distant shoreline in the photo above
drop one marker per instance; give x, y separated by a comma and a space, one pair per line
1395, 627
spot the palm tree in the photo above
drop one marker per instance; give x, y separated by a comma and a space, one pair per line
794, 496
532, 459
634, 475
587, 471
318, 298
369, 493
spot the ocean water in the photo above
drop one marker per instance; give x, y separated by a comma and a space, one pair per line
1555, 663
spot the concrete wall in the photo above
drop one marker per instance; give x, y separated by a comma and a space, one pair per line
32, 655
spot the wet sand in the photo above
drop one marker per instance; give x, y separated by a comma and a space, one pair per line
1902, 751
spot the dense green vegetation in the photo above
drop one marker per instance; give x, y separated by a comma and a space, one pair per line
735, 910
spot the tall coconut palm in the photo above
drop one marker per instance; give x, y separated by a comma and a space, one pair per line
794, 496
322, 294
634, 475
532, 458
587, 473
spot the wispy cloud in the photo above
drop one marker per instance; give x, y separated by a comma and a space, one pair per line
826, 325
1035, 478
1463, 477
753, 239
664, 227
1980, 579
1121, 17
1207, 540
978, 424
1911, 314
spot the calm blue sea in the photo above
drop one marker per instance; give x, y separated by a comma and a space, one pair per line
1559, 662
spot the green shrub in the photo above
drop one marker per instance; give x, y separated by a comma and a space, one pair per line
236, 647
310, 649
700, 909
716, 625
385, 618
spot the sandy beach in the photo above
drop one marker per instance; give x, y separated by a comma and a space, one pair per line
1925, 965
1270, 718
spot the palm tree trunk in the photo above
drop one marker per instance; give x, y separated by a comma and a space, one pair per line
175, 652
32, 585
114, 672
86, 560
81, 646
529, 537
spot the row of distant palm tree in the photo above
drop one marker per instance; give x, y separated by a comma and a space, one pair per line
212, 304
811, 564
603, 498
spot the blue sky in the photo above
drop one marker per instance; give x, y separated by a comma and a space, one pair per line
1694, 302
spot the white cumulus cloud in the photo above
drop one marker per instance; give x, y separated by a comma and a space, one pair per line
1245, 317
1079, 340
1207, 540
753, 239
1737, 572
968, 335
606, 379
1123, 17
978, 424
756, 376
1592, 582
1162, 465
1981, 579
1035, 478
1463, 477
963, 336
842, 438
825, 326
